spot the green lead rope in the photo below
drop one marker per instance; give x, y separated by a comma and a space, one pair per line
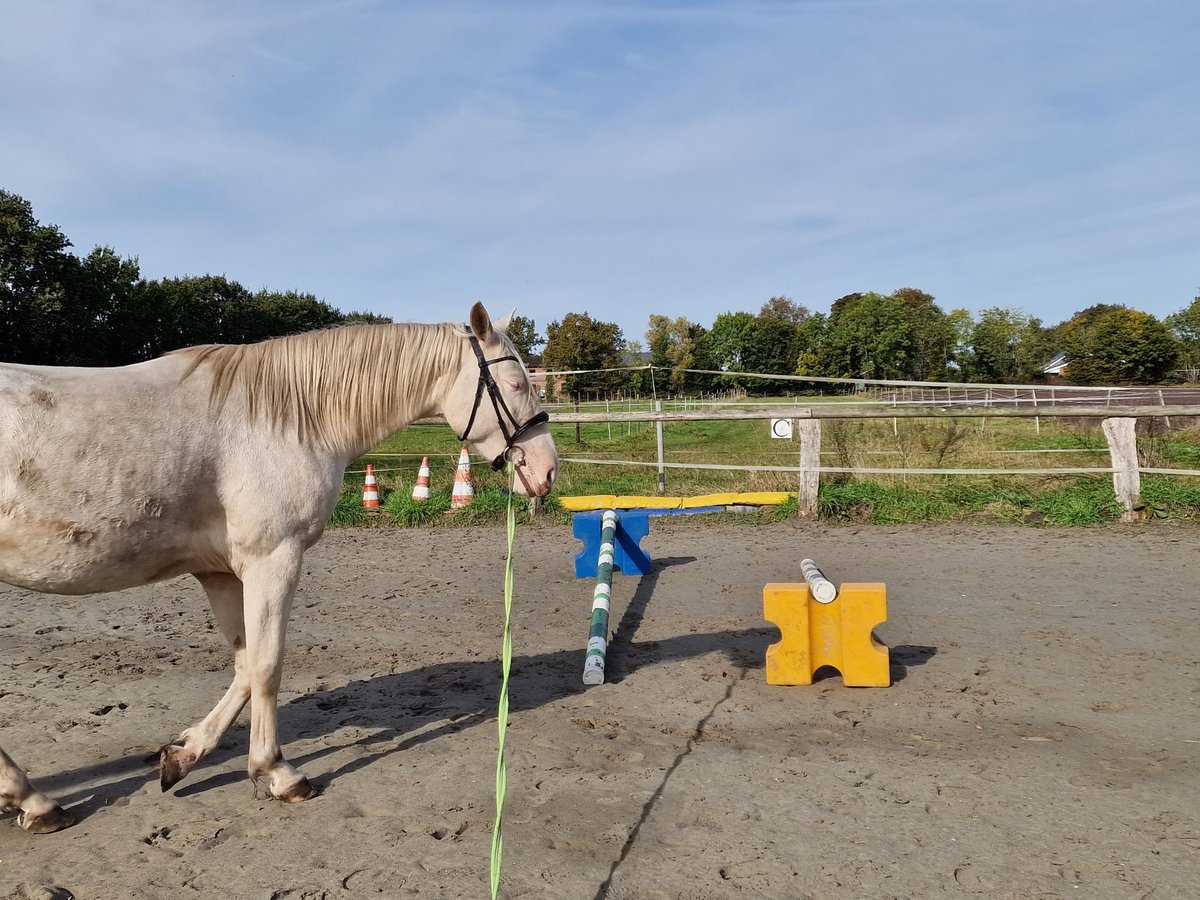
502, 710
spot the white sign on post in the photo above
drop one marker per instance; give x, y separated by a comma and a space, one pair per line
781, 428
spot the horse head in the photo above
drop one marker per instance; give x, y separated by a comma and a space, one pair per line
492, 405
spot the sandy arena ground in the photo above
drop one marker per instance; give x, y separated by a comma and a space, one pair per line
1041, 737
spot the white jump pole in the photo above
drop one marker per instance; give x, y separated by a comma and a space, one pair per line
824, 590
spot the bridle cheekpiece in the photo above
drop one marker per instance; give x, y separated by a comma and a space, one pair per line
502, 411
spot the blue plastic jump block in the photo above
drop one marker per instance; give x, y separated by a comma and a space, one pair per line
628, 557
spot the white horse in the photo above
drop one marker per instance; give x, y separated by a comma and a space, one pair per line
225, 461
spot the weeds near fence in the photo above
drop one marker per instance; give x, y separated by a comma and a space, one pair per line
843, 435
1083, 501
844, 497
941, 438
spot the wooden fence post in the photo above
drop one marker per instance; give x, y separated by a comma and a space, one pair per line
1162, 402
810, 461
1121, 434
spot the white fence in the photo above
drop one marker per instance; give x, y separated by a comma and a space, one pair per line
1119, 420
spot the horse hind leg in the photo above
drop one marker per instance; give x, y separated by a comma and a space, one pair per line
176, 759
38, 814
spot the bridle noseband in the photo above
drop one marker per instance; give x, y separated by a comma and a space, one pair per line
502, 411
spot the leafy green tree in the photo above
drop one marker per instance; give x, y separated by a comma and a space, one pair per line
581, 342
841, 303
95, 309
961, 323
784, 309
811, 334
995, 343
773, 348
35, 269
637, 380
357, 317
58, 309
204, 309
903, 335
776, 340
1185, 325
932, 335
660, 340
702, 358
268, 314
55, 308
868, 337
678, 345
729, 340
522, 331
212, 309
1112, 344
1036, 346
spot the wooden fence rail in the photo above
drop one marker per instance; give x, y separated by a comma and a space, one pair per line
840, 411
1119, 424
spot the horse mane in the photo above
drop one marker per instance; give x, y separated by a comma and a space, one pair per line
338, 386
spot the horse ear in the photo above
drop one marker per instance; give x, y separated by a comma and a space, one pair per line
481, 322
503, 324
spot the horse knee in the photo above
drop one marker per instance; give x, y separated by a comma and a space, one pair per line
262, 677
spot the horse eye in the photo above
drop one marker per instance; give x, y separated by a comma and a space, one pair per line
515, 385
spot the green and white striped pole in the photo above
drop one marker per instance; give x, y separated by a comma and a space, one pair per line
597, 645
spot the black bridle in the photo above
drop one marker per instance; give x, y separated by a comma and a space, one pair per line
502, 411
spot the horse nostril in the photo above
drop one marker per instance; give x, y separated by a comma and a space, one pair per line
550, 477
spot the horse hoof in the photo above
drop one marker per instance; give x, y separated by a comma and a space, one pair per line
48, 822
173, 764
300, 791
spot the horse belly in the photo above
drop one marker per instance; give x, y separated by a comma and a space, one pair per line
105, 480
59, 555
106, 524
88, 532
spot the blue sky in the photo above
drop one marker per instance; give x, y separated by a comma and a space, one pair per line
620, 158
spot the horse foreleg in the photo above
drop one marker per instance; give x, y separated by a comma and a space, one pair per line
269, 584
175, 760
38, 813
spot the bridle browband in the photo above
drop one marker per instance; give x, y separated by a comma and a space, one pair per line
502, 411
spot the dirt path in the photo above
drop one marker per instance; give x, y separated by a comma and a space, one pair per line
1040, 740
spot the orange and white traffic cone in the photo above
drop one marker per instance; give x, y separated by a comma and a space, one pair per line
371, 492
421, 488
464, 491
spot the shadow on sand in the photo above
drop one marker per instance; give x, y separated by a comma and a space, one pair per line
408, 709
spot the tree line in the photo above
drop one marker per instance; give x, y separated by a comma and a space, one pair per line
903, 335
57, 308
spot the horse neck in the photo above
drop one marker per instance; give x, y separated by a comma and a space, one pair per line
406, 380
344, 389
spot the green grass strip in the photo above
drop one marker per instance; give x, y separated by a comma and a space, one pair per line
502, 710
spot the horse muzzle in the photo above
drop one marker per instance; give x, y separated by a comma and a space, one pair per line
535, 470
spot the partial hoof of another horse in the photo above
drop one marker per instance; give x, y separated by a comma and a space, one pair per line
299, 792
174, 763
48, 822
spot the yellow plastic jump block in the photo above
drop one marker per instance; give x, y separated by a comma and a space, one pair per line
834, 634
